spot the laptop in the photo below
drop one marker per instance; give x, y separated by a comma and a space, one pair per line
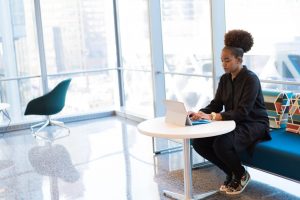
177, 114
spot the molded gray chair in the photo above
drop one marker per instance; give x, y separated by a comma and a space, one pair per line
49, 104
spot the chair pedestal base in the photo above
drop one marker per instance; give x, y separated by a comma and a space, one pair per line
43, 125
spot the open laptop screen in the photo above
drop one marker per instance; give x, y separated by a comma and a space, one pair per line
176, 113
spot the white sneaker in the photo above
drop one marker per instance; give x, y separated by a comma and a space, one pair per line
224, 186
238, 186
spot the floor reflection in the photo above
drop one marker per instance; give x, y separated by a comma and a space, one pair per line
53, 160
7, 170
101, 159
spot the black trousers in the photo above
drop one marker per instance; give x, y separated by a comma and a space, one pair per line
220, 151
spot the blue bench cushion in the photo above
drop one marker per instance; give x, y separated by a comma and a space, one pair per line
281, 155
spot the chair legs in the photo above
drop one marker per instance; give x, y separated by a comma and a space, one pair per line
43, 125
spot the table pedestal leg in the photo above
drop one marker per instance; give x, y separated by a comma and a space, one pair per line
188, 194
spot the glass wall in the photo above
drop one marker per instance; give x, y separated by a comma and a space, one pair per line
79, 37
136, 58
194, 91
88, 93
79, 41
187, 50
19, 60
276, 51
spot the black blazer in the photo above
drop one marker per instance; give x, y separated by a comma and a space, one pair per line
241, 100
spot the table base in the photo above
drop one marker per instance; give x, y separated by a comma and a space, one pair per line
182, 197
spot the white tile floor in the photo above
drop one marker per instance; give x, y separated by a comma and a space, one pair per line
106, 159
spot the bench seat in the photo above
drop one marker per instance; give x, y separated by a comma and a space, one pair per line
280, 156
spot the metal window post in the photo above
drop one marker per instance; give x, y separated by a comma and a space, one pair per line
119, 54
157, 57
40, 38
218, 29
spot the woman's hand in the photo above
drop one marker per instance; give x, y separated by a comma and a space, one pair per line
190, 113
199, 115
204, 115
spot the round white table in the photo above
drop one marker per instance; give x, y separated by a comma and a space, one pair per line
158, 128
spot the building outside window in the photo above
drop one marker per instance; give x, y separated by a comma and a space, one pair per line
79, 36
187, 50
79, 43
19, 58
136, 57
274, 26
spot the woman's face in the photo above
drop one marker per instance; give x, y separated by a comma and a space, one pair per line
230, 63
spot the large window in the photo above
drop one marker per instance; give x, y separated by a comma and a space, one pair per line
79, 43
191, 90
136, 58
79, 37
187, 50
19, 60
89, 92
274, 26
134, 34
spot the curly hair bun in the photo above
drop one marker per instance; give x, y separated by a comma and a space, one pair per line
240, 39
